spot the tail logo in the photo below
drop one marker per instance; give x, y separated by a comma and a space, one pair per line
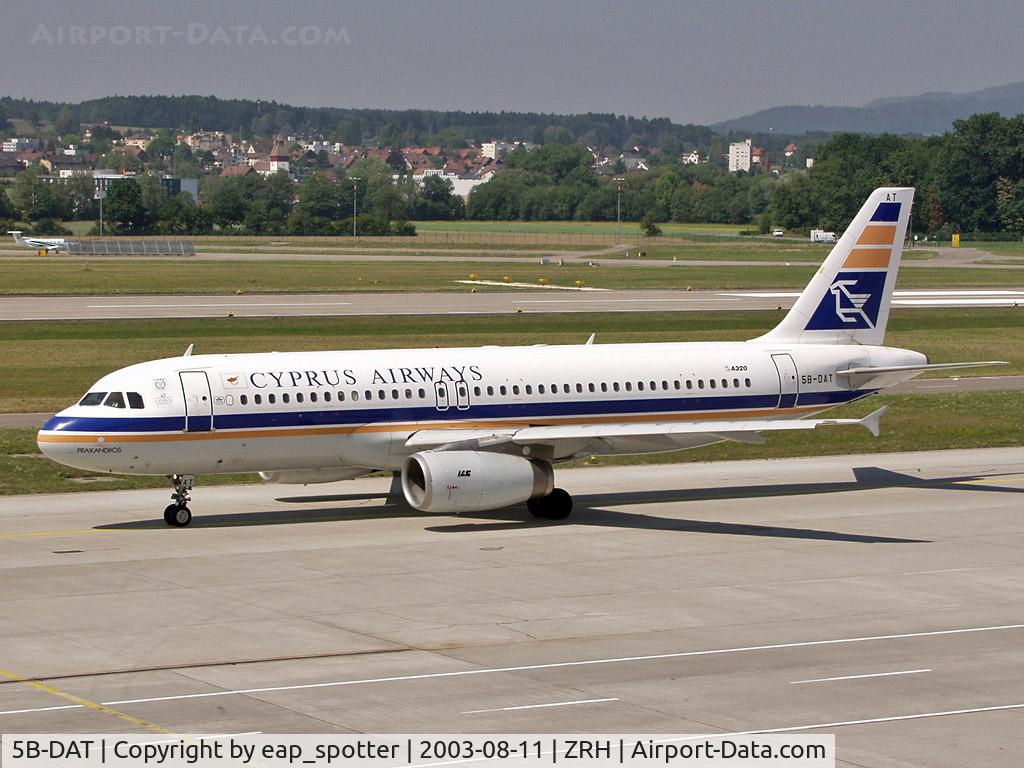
853, 309
851, 302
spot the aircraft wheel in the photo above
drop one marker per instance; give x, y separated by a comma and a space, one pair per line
177, 516
555, 506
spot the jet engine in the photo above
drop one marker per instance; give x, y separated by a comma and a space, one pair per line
472, 481
310, 476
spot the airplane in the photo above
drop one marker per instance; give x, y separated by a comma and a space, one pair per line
39, 243
473, 429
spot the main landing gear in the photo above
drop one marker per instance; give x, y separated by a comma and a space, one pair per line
178, 515
555, 506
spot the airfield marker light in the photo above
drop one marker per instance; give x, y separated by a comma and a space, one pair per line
507, 278
579, 283
542, 280
474, 276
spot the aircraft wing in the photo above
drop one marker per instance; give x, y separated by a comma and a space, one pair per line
739, 430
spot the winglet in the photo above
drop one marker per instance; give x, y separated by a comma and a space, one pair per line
872, 422
188, 352
590, 340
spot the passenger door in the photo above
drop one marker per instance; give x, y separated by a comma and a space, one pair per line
195, 386
789, 381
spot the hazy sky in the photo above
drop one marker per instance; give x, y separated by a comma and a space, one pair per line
690, 61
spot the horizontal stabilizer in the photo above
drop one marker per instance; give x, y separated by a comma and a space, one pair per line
875, 370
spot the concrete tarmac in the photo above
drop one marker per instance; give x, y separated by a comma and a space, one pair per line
453, 303
877, 597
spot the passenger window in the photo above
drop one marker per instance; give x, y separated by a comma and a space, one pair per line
515, 389
639, 386
381, 394
725, 383
312, 397
299, 397
258, 399
243, 399
114, 400
368, 395
736, 383
355, 396
689, 384
327, 397
341, 396
676, 384
503, 389
271, 399
408, 394
93, 398
615, 386
747, 382
711, 383
476, 392
654, 386
135, 400
565, 388
423, 393
629, 386
529, 389
700, 383
540, 389
604, 386
286, 398
490, 391
591, 387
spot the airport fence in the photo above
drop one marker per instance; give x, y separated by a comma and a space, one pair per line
131, 247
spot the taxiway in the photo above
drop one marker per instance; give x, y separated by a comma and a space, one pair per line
878, 597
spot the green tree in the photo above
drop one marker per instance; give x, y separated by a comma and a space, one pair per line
1010, 204
123, 205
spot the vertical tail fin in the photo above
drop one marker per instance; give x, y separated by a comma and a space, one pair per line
847, 301
17, 236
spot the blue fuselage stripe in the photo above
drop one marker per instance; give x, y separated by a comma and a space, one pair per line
330, 417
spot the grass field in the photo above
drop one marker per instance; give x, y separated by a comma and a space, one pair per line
46, 365
999, 248
631, 229
914, 422
157, 276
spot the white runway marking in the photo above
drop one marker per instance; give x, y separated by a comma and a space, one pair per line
618, 301
552, 665
531, 285
860, 677
538, 706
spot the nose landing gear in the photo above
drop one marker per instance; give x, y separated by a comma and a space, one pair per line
178, 515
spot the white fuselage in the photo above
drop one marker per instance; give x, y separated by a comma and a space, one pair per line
323, 410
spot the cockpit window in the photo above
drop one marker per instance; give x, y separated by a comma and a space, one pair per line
93, 398
115, 400
135, 400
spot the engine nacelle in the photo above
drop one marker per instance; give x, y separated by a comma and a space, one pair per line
310, 476
472, 481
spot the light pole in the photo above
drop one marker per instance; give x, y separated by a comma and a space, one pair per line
355, 192
618, 210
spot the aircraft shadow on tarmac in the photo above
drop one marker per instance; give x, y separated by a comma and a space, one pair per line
592, 509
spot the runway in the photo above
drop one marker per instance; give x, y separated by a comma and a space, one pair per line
453, 302
877, 597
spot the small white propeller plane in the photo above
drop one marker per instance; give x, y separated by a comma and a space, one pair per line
472, 429
39, 243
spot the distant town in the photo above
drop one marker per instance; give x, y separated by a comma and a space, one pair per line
378, 172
